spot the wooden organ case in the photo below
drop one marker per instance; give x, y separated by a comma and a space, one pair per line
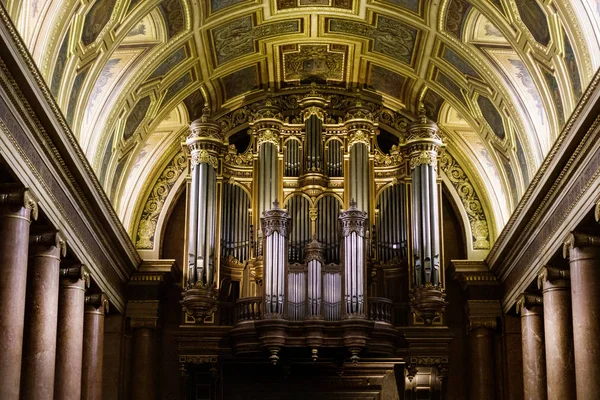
313, 234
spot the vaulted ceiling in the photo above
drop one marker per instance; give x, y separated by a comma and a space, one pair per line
501, 77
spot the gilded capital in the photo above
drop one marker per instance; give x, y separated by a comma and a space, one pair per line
15, 195
577, 239
423, 142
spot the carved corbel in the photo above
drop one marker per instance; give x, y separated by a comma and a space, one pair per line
529, 302
50, 239
99, 301
551, 274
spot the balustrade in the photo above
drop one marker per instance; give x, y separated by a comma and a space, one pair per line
248, 309
380, 309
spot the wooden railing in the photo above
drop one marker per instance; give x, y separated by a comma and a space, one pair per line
248, 308
380, 309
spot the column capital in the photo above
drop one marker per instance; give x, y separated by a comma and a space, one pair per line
16, 195
423, 141
528, 301
51, 239
98, 301
470, 273
549, 274
75, 273
205, 141
266, 122
483, 314
353, 220
275, 220
579, 239
143, 314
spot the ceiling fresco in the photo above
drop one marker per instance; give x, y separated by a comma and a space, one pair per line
501, 77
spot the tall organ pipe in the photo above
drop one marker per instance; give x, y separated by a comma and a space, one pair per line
313, 127
275, 227
391, 224
359, 175
314, 261
235, 240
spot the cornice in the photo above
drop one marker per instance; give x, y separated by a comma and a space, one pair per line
559, 179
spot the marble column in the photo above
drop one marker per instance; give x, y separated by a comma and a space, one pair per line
69, 343
558, 333
584, 256
17, 208
41, 311
96, 305
144, 364
532, 335
481, 343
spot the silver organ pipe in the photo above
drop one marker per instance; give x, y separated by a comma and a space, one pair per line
328, 210
332, 296
313, 127
391, 227
298, 208
359, 175
235, 231
314, 261
353, 226
334, 159
292, 158
296, 292
275, 227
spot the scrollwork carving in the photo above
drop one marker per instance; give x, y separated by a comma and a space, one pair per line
156, 200
470, 199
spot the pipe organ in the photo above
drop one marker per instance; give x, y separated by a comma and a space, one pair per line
313, 218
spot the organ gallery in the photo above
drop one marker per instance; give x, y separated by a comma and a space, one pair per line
299, 199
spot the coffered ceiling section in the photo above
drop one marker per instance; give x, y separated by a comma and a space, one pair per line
501, 77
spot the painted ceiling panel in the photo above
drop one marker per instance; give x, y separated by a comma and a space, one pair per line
511, 67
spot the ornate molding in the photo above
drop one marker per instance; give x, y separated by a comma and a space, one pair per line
468, 195
423, 157
235, 159
472, 273
267, 136
428, 302
156, 201
203, 156
393, 159
359, 136
16, 195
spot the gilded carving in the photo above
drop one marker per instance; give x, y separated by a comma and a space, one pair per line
470, 200
359, 136
156, 200
203, 156
235, 159
388, 160
314, 62
267, 136
423, 158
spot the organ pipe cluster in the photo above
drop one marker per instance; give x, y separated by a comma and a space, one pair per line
275, 227
353, 226
205, 143
423, 144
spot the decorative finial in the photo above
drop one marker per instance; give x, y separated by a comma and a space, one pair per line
205, 113
422, 113
352, 203
276, 204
